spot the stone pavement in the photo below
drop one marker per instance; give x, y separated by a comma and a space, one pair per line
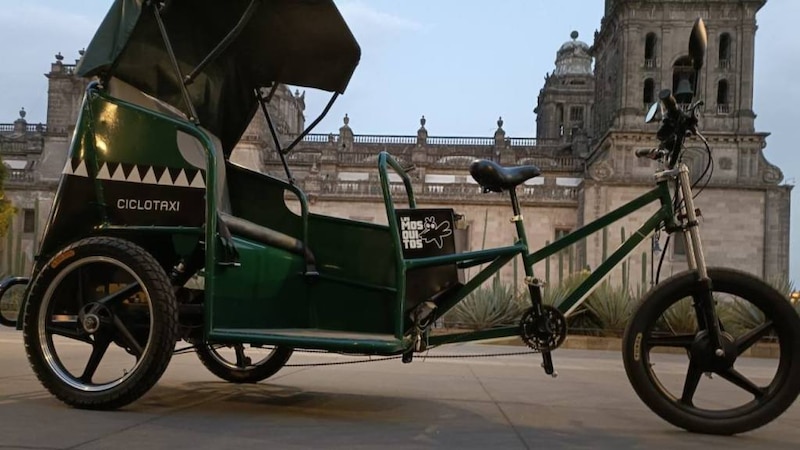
498, 403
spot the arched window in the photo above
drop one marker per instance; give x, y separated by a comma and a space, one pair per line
649, 94
725, 51
560, 118
650, 50
723, 97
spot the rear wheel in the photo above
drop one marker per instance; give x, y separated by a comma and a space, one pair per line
101, 323
238, 363
680, 374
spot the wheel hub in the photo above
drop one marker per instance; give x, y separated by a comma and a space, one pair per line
92, 317
707, 356
91, 323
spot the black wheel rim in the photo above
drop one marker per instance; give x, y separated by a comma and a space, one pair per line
681, 363
95, 324
239, 357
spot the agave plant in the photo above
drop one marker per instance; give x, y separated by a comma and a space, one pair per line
783, 284
611, 307
553, 294
740, 316
581, 319
488, 306
679, 318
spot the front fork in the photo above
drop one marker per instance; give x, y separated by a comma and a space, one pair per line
703, 298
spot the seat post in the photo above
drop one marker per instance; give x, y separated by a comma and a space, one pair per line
517, 219
514, 201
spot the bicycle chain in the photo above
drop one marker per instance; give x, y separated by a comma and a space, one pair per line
386, 358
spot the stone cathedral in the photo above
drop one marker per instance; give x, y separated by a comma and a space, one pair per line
589, 122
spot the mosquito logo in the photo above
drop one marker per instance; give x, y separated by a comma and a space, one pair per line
435, 233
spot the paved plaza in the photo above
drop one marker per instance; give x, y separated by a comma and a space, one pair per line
488, 403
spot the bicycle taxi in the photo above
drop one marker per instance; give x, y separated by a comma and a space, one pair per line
150, 203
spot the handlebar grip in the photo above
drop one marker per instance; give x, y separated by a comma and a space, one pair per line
669, 103
644, 153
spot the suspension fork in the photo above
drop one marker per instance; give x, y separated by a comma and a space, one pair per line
703, 297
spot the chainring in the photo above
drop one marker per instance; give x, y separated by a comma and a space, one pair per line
545, 332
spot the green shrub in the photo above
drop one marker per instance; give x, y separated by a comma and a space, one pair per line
785, 286
679, 318
611, 307
581, 320
498, 304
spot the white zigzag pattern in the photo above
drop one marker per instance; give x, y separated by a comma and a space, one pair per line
135, 176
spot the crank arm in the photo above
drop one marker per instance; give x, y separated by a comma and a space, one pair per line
547, 364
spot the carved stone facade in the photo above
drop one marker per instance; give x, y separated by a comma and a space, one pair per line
564, 110
589, 123
22, 148
641, 48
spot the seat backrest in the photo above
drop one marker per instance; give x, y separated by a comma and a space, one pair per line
190, 147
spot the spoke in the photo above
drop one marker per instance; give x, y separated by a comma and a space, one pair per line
741, 381
751, 337
241, 359
128, 338
690, 384
120, 295
70, 333
79, 290
99, 350
678, 340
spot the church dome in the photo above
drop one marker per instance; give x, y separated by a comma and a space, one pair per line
573, 58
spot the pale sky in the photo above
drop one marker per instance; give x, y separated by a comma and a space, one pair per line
461, 63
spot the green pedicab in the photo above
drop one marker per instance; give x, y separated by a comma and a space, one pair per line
156, 237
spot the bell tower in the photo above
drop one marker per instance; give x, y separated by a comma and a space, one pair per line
642, 47
563, 111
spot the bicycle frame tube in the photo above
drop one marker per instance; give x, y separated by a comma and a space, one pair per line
499, 257
664, 214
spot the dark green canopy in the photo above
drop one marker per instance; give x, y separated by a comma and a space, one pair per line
297, 42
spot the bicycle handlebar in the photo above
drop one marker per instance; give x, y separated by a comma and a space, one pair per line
644, 152
668, 100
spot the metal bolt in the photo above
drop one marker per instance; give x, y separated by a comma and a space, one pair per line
719, 353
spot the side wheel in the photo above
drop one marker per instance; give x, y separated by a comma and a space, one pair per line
239, 364
101, 323
706, 387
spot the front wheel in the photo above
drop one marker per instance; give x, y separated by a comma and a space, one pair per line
684, 378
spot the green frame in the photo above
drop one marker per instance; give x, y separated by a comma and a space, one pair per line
499, 257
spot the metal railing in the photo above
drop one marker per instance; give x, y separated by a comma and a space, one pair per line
412, 140
19, 176
29, 128
434, 191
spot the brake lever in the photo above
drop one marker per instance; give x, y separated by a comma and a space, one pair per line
692, 124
